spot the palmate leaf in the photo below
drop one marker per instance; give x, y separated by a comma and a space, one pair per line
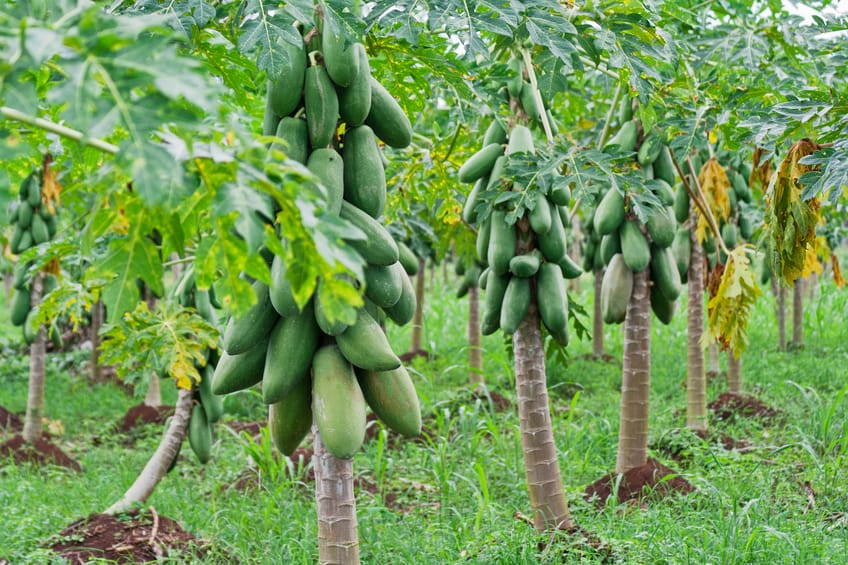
714, 185
263, 31
730, 308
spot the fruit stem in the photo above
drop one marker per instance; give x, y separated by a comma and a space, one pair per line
543, 114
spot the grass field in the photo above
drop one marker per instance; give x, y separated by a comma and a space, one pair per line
454, 498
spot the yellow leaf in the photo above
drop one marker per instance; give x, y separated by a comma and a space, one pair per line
713, 136
714, 185
730, 308
50, 188
837, 274
811, 263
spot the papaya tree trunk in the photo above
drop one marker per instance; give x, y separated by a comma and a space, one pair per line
734, 373
338, 539
712, 352
156, 468
811, 286
696, 377
37, 351
781, 316
96, 324
418, 317
636, 378
153, 397
798, 313
7, 286
597, 317
475, 353
547, 497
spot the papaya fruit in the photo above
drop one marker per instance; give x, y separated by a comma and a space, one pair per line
610, 245
21, 279
238, 372
569, 268
355, 99
662, 307
681, 205
322, 319
364, 174
270, 119
403, 311
364, 345
495, 133
291, 345
516, 302
635, 249
746, 227
469, 209
610, 212
590, 250
290, 419
496, 175
247, 330
20, 307
524, 265
625, 110
484, 276
624, 139
286, 91
392, 397
663, 191
51, 283
280, 291
213, 405
322, 106
520, 140
407, 258
25, 214
552, 299
378, 248
616, 287
662, 227
529, 102
682, 248
561, 195
502, 241
17, 237
326, 164
480, 164
493, 301
337, 402
294, 138
52, 223
387, 118
484, 234
729, 235
553, 244
200, 434
340, 58
664, 167
664, 273
383, 285
649, 150
540, 217
34, 191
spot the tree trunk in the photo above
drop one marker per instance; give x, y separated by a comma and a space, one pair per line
696, 378
798, 313
96, 324
153, 397
781, 316
162, 458
7, 285
597, 317
475, 353
712, 352
734, 373
547, 497
636, 378
574, 252
338, 540
418, 317
37, 351
445, 272
811, 286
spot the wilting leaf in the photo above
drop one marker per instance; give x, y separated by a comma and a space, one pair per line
730, 306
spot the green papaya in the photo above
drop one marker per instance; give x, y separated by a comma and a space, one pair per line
502, 241
561, 195
25, 215
200, 434
516, 302
20, 307
270, 119
520, 140
407, 258
280, 291
553, 245
662, 227
493, 301
392, 397
238, 372
338, 405
495, 133
552, 300
663, 191
662, 307
52, 223
682, 249
746, 227
540, 217
213, 405
284, 93
340, 58
610, 212
322, 319
364, 175
496, 175
616, 287
569, 268
21, 278
729, 235
610, 245
51, 283
484, 234
290, 419
484, 276
326, 164
403, 311
624, 139
378, 248
387, 118
681, 205
480, 164
469, 209
34, 191
245, 331
364, 345
39, 230
625, 110
664, 273
635, 249
529, 102
383, 285
17, 237
355, 100
294, 139
524, 265
322, 106
649, 150
291, 345
664, 167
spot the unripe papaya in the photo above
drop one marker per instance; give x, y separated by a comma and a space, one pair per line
484, 233
610, 245
355, 100
403, 311
524, 265
20, 307
245, 331
569, 268
469, 209
290, 419
664, 167
664, 273
501, 243
291, 345
340, 58
552, 300
529, 103
481, 163
213, 405
238, 372
295, 139
553, 244
649, 150
662, 307
365, 345
392, 397
561, 195
634, 247
285, 92
681, 205
387, 118
495, 133
728, 234
663, 191
540, 216
516, 302
493, 301
280, 291
610, 212
520, 140
25, 214
200, 434
337, 403
661, 227
624, 139
407, 258
383, 285
322, 319
616, 288
378, 247
364, 175
326, 164
682, 249
322, 106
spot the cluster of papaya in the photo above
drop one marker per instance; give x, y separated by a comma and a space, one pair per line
469, 271
35, 222
527, 255
310, 365
207, 408
627, 246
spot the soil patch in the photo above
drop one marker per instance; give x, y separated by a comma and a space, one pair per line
727, 442
42, 452
142, 414
253, 429
499, 402
410, 355
729, 405
9, 421
128, 538
637, 483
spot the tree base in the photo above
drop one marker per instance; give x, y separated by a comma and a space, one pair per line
42, 452
10, 422
638, 484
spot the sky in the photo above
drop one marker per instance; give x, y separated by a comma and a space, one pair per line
802, 9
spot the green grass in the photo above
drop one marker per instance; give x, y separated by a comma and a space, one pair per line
456, 498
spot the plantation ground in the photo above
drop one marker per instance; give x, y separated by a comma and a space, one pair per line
458, 497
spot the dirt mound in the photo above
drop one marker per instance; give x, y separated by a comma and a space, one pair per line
638, 482
9, 421
729, 405
253, 429
128, 538
42, 452
500, 403
142, 414
410, 355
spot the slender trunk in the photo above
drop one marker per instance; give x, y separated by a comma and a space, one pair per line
433, 276
781, 316
7, 285
696, 378
475, 353
418, 317
154, 391
96, 324
712, 352
547, 497
162, 458
37, 351
597, 318
338, 540
574, 252
445, 272
734, 373
636, 378
812, 286
798, 313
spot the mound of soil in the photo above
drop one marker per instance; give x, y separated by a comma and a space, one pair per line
9, 421
637, 483
128, 538
142, 414
42, 452
253, 429
729, 405
410, 355
499, 402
